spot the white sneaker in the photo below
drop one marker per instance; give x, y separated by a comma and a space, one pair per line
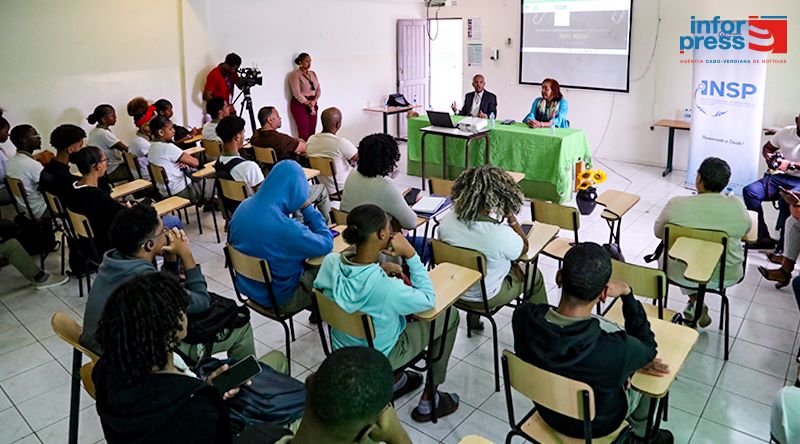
50, 280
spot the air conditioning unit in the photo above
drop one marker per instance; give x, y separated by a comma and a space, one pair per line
435, 3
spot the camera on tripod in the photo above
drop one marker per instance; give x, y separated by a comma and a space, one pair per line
249, 77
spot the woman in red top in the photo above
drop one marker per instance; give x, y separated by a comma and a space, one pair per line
305, 94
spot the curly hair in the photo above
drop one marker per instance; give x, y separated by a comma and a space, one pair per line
132, 227
137, 107
66, 135
140, 326
486, 188
378, 155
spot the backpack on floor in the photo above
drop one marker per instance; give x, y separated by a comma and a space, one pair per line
36, 237
204, 328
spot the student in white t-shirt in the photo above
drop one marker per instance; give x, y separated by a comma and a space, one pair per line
23, 167
101, 136
787, 143
485, 201
5, 127
328, 144
230, 164
217, 109
167, 155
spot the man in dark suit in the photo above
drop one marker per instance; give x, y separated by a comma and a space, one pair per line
479, 103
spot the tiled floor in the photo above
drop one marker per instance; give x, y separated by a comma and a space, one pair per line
712, 401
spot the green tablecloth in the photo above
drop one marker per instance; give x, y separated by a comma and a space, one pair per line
547, 158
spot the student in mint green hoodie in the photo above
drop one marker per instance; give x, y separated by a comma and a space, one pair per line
357, 282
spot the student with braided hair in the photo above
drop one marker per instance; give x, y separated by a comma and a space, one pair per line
485, 202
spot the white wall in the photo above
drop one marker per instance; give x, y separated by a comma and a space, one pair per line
61, 59
663, 90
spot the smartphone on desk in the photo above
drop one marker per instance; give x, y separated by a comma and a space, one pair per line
526, 228
411, 196
334, 233
237, 374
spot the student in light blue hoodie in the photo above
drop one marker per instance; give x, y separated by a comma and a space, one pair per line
262, 227
357, 282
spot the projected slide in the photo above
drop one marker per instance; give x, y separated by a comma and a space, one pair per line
580, 43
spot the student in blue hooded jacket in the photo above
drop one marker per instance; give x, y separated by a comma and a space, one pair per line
262, 227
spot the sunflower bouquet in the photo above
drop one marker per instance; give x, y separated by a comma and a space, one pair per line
589, 178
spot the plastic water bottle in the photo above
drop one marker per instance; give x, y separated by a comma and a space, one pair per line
491, 120
728, 192
552, 130
415, 100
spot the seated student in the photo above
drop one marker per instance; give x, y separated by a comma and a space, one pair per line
290, 242
791, 233
218, 110
141, 113
165, 154
349, 398
268, 136
572, 342
138, 237
785, 142
549, 110
142, 396
101, 136
357, 282
708, 210
784, 423
230, 165
164, 108
371, 182
482, 198
23, 167
5, 127
56, 177
12, 252
328, 144
87, 199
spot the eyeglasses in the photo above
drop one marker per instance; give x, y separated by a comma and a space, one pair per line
156, 236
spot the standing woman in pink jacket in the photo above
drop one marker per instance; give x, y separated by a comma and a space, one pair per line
305, 94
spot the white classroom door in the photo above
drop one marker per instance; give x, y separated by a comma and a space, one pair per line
413, 65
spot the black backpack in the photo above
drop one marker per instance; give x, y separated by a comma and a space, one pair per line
205, 327
37, 236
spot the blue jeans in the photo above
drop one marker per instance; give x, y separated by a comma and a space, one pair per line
767, 189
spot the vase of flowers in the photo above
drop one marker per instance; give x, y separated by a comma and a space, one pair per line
586, 198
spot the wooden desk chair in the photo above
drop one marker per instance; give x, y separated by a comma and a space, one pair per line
158, 175
266, 157
561, 216
672, 233
132, 164
339, 217
232, 193
443, 252
560, 394
60, 222
70, 331
18, 193
257, 269
213, 149
646, 282
358, 325
440, 187
83, 239
327, 167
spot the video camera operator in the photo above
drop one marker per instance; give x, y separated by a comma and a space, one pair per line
220, 80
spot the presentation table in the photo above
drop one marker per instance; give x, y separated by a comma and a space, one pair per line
547, 157
388, 111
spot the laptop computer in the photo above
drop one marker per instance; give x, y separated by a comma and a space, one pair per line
441, 119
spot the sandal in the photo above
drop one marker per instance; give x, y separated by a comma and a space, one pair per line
448, 403
413, 382
775, 258
780, 276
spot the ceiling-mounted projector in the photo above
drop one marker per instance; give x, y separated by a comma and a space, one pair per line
435, 3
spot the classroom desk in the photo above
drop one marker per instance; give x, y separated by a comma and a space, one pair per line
339, 245
675, 342
205, 172
474, 439
546, 157
194, 150
388, 111
701, 258
193, 139
616, 204
538, 237
449, 281
310, 173
131, 187
170, 204
454, 133
752, 235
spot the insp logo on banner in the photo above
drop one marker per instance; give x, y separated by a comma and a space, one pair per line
713, 98
766, 33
